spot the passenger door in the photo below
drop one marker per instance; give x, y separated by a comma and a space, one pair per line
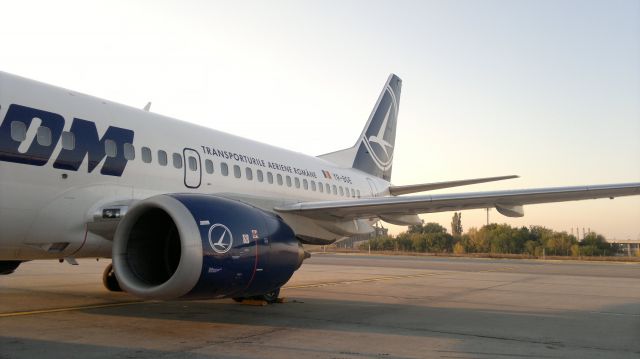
192, 168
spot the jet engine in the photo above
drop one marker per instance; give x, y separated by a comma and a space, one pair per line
202, 246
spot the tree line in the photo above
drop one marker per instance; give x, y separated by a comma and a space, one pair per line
492, 238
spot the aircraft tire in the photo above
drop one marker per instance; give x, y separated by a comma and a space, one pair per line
271, 297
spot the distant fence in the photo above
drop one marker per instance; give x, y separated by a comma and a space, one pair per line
479, 255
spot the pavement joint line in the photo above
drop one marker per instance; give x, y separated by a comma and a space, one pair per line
67, 309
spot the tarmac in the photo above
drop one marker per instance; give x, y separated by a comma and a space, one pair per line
338, 306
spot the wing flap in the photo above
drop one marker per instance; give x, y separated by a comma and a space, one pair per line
512, 199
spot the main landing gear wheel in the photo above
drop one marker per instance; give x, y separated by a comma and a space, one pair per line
109, 279
271, 297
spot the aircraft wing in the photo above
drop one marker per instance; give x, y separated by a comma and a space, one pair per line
508, 203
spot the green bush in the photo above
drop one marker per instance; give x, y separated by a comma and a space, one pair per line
493, 238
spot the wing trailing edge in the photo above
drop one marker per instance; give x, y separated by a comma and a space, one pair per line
508, 203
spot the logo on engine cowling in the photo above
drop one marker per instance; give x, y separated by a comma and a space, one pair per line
220, 238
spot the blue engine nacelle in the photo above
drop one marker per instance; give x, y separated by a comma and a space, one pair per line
202, 246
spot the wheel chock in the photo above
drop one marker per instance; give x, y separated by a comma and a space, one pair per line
255, 302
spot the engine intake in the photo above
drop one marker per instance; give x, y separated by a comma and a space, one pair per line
202, 246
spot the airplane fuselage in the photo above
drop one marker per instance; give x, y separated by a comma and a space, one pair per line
65, 156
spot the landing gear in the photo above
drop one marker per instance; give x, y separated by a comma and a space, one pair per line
271, 297
109, 279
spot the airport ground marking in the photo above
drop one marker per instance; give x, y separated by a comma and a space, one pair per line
301, 286
364, 280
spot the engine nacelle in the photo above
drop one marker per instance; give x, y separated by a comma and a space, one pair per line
202, 246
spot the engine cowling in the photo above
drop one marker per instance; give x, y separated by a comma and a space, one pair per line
202, 246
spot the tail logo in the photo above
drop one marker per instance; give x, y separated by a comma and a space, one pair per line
380, 135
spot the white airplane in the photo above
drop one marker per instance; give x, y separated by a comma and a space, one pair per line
187, 211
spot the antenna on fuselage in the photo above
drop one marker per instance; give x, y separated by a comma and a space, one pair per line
148, 106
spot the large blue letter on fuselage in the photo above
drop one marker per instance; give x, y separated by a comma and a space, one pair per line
88, 143
36, 155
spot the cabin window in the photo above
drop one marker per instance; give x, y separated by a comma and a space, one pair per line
248, 173
208, 165
341, 191
320, 187
224, 169
305, 184
177, 160
313, 186
129, 152
335, 190
279, 177
162, 158
270, 177
358, 193
146, 156
260, 175
193, 163
110, 148
353, 193
18, 131
68, 140
328, 188
43, 136
237, 172
288, 181
297, 182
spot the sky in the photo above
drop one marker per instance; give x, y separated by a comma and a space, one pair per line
547, 90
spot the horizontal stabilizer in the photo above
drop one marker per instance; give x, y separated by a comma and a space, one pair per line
413, 188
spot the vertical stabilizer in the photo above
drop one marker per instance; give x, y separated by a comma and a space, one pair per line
373, 152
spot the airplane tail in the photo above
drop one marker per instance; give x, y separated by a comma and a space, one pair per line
373, 151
